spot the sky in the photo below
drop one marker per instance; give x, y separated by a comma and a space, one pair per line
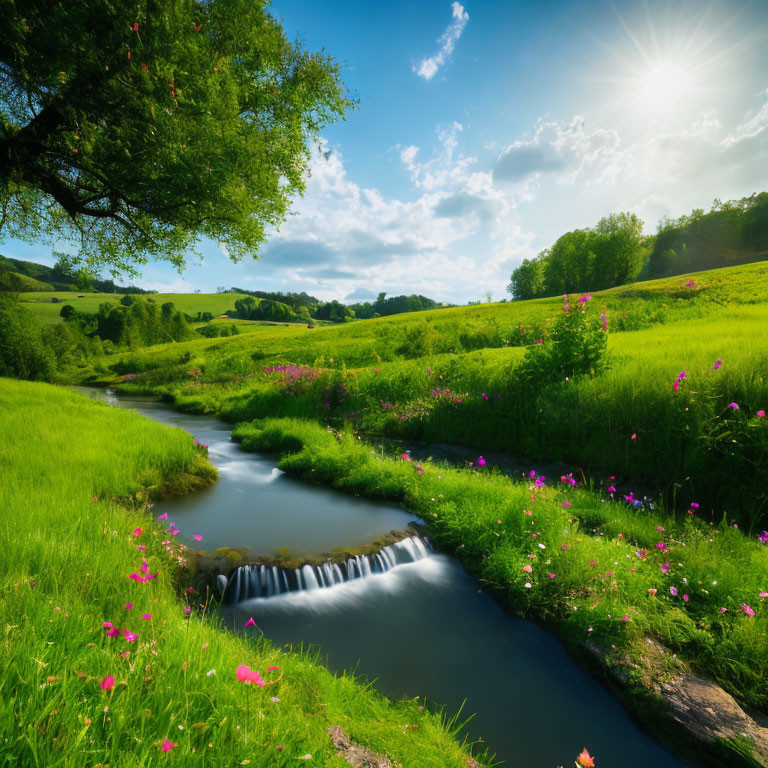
486, 129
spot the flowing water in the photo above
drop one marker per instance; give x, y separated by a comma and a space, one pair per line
417, 624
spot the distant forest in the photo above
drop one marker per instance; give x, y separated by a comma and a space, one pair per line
615, 251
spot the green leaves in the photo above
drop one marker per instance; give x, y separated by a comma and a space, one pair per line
135, 134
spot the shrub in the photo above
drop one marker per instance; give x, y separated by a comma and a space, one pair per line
577, 345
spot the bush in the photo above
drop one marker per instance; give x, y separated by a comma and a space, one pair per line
577, 345
23, 354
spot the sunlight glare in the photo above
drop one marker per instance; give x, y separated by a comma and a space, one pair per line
664, 86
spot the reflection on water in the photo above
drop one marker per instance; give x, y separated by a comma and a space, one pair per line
419, 629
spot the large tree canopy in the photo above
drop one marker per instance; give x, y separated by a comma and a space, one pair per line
137, 128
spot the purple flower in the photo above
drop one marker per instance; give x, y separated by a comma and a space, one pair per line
665, 568
763, 537
717, 364
733, 406
673, 591
761, 414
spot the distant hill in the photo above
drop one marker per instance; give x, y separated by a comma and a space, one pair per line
55, 278
18, 283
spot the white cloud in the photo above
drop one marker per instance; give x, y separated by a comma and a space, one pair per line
343, 236
428, 67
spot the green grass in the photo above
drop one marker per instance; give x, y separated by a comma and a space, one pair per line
45, 311
688, 444
75, 475
571, 558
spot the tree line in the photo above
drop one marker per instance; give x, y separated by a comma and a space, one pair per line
615, 251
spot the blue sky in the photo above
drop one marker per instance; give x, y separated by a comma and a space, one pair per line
486, 129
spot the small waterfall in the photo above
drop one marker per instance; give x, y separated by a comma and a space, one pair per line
251, 581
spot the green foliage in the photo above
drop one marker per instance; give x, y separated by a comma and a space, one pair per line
577, 345
23, 353
611, 254
134, 133
735, 232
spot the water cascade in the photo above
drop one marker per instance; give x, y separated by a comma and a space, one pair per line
251, 581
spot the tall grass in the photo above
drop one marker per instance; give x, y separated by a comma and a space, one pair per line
68, 465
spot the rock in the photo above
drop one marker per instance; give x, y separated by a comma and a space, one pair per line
710, 713
362, 757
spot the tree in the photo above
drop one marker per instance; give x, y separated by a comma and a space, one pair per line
134, 129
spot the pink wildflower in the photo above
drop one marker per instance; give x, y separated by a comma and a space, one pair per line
250, 622
651, 591
673, 591
108, 683
137, 531
197, 537
761, 414
167, 746
748, 610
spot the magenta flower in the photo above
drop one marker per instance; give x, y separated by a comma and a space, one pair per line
733, 406
540, 481
405, 457
528, 569
250, 622
481, 462
551, 575
660, 528
761, 414
142, 547
723, 610
484, 396
624, 618
167, 746
651, 591
108, 683
641, 553
763, 537
665, 568
247, 675
137, 531
114, 632
592, 562
634, 436
604, 318
164, 516
197, 537
662, 546
566, 505
611, 489
673, 591
187, 610
131, 637
539, 342
128, 606
146, 616
685, 598
763, 594
748, 610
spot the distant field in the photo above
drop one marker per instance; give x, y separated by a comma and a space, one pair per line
40, 304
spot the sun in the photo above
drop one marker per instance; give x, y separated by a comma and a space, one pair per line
664, 85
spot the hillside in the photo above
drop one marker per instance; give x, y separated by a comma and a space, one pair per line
42, 306
452, 376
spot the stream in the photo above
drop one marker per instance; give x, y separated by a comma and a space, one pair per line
421, 628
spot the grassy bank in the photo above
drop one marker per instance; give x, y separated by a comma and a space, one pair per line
453, 376
76, 476
645, 596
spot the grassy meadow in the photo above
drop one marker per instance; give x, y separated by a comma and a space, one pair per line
77, 479
452, 376
45, 311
